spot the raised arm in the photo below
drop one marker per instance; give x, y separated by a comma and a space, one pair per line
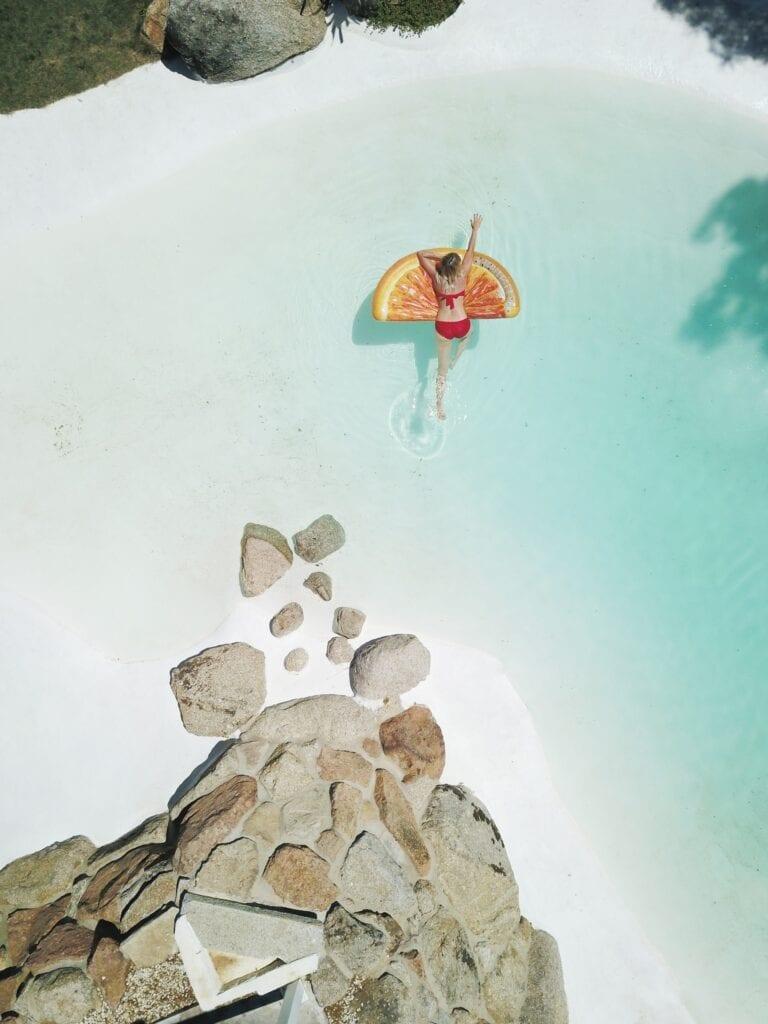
428, 261
466, 263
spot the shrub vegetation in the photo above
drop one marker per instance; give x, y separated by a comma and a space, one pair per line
410, 16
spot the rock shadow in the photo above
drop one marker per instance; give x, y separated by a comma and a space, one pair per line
217, 751
736, 305
736, 28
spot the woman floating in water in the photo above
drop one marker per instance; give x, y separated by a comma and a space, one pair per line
449, 276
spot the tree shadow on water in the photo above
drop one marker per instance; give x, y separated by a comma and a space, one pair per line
736, 28
737, 303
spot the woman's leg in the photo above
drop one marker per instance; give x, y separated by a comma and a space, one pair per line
443, 365
462, 345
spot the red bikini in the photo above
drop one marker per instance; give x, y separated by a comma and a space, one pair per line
450, 329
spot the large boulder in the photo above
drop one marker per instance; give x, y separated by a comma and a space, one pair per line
153, 941
225, 40
320, 539
41, 877
469, 857
220, 689
372, 879
265, 556
388, 666
329, 718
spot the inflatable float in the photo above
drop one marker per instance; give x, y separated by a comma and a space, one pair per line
405, 291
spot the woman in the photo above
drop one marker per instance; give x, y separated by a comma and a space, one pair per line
449, 275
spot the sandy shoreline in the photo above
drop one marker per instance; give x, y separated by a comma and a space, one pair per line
87, 149
125, 720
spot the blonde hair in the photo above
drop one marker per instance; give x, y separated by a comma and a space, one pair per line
448, 267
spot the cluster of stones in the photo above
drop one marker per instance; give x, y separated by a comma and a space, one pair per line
321, 805
265, 557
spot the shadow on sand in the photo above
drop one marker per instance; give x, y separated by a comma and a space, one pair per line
737, 303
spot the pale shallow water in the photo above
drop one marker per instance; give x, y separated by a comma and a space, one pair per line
594, 511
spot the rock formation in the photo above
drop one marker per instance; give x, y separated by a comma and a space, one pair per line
225, 40
318, 807
322, 805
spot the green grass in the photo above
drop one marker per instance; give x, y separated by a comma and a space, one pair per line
53, 48
411, 15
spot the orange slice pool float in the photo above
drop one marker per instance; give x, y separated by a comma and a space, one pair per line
405, 291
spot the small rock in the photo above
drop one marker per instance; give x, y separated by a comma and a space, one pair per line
388, 666
66, 945
545, 1001
264, 823
415, 743
339, 650
348, 622
265, 556
300, 877
296, 660
334, 765
27, 927
383, 1000
230, 871
426, 897
504, 984
330, 845
149, 832
307, 814
287, 620
373, 880
360, 947
285, 774
328, 983
109, 969
153, 26
59, 997
320, 583
447, 953
153, 941
101, 898
397, 816
42, 877
238, 758
154, 895
372, 748
461, 1016
9, 986
220, 689
320, 539
346, 801
210, 820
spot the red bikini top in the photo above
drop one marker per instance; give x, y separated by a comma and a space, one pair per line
449, 297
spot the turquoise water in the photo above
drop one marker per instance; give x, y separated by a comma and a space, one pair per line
595, 509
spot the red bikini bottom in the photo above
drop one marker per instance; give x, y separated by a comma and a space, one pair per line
450, 329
